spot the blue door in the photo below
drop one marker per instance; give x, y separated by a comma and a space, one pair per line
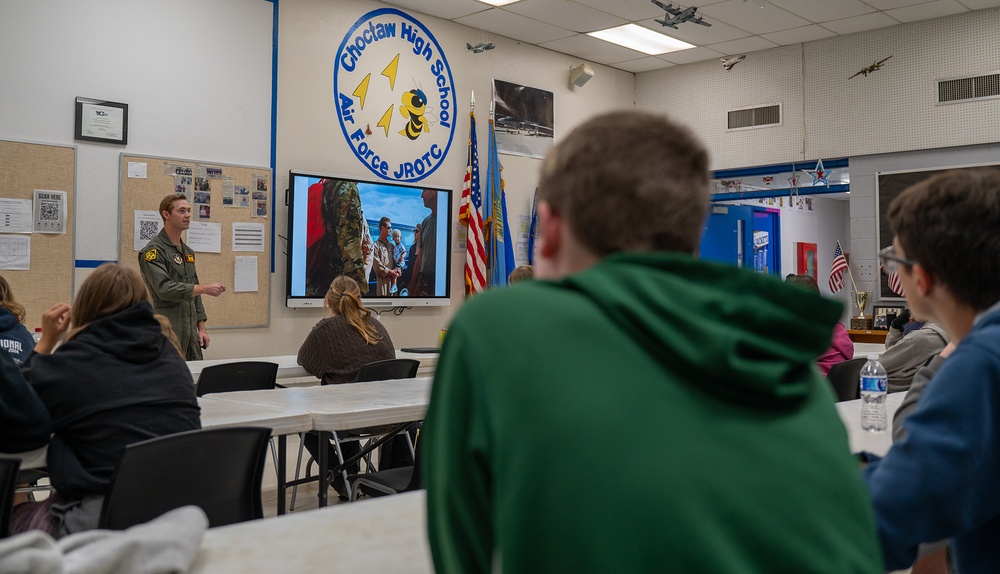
766, 241
728, 236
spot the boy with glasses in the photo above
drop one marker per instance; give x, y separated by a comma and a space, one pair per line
941, 481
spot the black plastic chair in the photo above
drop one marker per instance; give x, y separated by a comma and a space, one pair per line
219, 470
844, 378
241, 376
385, 482
8, 481
375, 371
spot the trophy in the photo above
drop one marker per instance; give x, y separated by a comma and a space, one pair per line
861, 322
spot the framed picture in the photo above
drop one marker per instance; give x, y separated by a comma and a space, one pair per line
806, 259
101, 121
884, 315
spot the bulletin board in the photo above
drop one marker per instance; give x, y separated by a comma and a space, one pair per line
25, 167
144, 181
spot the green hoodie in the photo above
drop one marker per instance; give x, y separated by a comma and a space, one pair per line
653, 413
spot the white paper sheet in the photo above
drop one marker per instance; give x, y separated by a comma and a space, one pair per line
137, 170
245, 273
49, 211
147, 225
15, 252
205, 237
15, 215
248, 236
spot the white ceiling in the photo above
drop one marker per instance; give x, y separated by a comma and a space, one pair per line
738, 26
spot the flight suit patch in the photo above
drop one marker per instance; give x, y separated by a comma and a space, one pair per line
151, 255
190, 258
177, 258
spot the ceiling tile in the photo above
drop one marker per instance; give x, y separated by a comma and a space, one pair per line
691, 55
448, 9
514, 26
752, 18
927, 11
630, 10
890, 4
980, 4
643, 65
743, 46
798, 35
824, 10
588, 48
563, 14
697, 34
861, 23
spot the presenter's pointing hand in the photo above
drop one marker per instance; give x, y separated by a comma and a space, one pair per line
213, 289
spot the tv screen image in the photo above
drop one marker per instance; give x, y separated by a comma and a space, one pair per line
335, 226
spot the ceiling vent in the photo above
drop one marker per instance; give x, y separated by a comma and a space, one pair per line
955, 90
753, 117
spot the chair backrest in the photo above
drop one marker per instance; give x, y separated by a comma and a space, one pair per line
219, 470
388, 369
8, 480
241, 376
844, 378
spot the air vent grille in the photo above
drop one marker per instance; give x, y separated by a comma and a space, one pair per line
748, 118
969, 89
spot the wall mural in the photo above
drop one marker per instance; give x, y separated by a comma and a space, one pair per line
395, 96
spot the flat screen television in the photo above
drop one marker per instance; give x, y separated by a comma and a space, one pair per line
334, 228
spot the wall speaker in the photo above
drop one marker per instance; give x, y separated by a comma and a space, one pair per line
580, 75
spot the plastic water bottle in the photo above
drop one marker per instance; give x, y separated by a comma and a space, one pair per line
874, 384
37, 335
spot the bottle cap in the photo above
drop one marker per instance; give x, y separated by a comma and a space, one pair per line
38, 329
873, 356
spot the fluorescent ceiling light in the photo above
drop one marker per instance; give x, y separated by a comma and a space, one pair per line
641, 39
498, 2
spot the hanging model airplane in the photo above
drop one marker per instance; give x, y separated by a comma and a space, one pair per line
869, 69
728, 63
676, 15
480, 47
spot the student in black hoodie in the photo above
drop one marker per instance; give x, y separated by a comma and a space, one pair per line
25, 422
114, 381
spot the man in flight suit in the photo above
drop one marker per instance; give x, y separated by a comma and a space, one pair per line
167, 266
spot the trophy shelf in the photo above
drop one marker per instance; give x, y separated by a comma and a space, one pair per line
867, 335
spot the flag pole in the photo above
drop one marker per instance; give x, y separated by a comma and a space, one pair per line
472, 104
872, 284
853, 284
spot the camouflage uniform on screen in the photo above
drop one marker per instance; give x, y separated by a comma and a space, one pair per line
170, 276
341, 249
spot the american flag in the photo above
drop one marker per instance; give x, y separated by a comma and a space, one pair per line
470, 216
895, 284
837, 270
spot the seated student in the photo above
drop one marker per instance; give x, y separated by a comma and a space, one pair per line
940, 481
664, 416
338, 346
904, 355
25, 421
841, 347
114, 381
521, 273
14, 337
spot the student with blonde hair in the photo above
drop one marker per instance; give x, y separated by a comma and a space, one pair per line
14, 337
339, 345
115, 380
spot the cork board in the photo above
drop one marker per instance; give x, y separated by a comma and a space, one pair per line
232, 308
25, 167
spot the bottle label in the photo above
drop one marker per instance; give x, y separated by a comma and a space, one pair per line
874, 384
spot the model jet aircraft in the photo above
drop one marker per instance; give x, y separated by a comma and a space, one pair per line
480, 47
675, 15
869, 69
728, 63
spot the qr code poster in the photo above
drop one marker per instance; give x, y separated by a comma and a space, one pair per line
147, 226
49, 211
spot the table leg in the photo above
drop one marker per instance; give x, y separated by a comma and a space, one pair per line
282, 455
324, 466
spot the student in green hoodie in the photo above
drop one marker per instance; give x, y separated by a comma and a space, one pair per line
636, 409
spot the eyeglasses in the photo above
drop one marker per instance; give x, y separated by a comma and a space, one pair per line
891, 262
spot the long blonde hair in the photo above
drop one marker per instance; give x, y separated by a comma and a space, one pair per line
7, 301
106, 291
344, 298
